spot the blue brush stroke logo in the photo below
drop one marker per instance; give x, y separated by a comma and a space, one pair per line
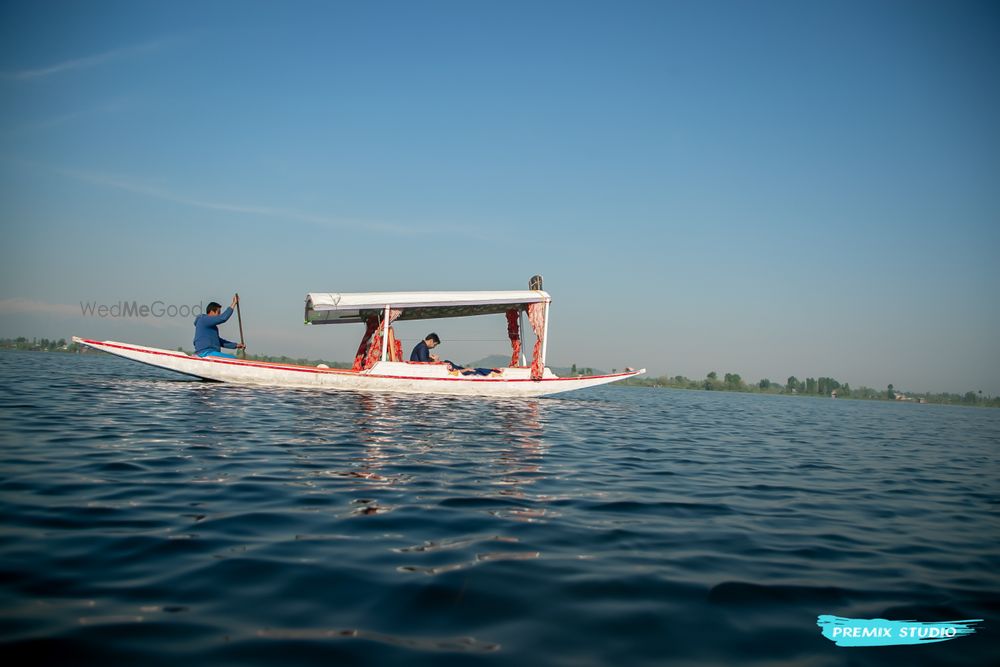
880, 632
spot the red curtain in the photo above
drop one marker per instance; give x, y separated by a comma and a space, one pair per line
359, 358
514, 333
397, 345
375, 346
536, 315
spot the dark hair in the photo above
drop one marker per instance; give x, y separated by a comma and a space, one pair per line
433, 337
212, 306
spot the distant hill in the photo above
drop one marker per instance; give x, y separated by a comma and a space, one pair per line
492, 361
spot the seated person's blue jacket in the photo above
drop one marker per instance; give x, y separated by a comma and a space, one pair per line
420, 352
206, 332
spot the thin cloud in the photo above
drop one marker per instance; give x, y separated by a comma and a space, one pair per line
114, 106
85, 62
119, 183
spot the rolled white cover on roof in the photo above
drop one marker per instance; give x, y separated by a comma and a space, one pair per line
334, 307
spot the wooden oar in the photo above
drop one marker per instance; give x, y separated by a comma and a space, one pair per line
239, 318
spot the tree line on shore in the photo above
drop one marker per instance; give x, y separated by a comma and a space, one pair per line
822, 386
39, 344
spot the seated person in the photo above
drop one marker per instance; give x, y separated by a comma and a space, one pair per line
422, 350
207, 342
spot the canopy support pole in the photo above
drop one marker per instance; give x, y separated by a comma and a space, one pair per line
545, 334
385, 332
520, 335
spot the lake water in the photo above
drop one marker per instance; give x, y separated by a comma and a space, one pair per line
148, 519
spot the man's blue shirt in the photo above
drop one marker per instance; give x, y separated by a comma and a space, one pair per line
206, 332
420, 352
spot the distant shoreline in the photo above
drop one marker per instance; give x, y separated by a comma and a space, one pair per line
970, 399
731, 382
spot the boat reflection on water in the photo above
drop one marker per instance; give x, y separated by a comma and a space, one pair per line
378, 428
521, 462
426, 444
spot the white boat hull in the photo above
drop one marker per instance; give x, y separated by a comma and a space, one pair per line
384, 376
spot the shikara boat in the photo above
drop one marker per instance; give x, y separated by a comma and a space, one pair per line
379, 364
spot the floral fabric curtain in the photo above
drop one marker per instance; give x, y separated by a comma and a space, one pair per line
536, 315
375, 346
370, 327
514, 333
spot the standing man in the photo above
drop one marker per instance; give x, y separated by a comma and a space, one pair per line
207, 342
422, 350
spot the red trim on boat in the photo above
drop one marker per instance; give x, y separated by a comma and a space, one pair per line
341, 371
227, 362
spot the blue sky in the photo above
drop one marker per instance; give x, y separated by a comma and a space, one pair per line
769, 188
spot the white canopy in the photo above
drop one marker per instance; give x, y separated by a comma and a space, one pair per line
332, 307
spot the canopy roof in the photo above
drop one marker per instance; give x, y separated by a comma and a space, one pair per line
332, 307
